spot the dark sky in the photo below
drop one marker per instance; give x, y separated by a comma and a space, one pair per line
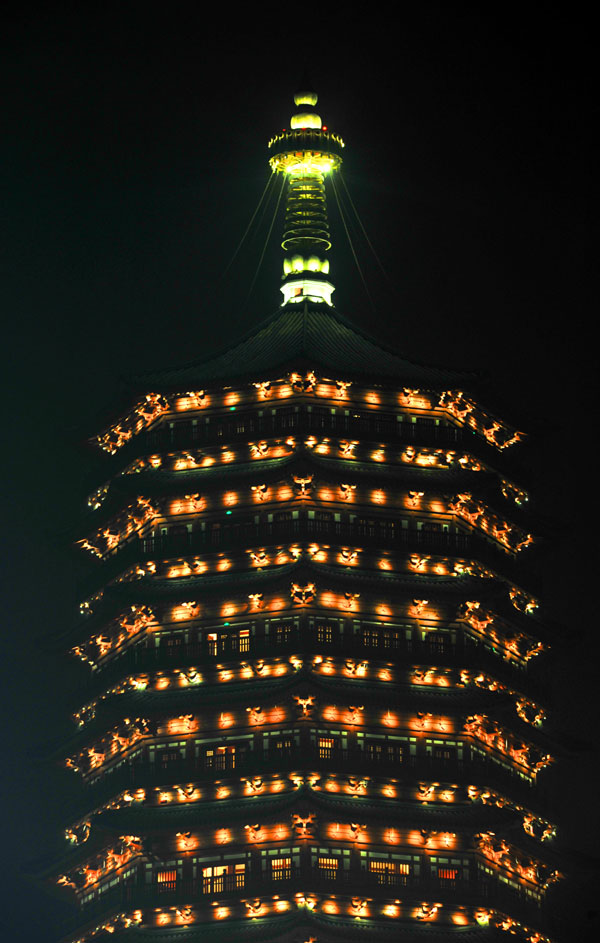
135, 154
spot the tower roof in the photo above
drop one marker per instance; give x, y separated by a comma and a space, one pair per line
317, 334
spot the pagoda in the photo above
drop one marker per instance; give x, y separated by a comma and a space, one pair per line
313, 707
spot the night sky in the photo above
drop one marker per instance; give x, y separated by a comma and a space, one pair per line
134, 157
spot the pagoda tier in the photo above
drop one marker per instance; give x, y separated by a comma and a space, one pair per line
310, 707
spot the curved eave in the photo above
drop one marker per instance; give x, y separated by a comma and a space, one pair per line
318, 335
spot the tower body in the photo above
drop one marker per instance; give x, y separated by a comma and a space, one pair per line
312, 710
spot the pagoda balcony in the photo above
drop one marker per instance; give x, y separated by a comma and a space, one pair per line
306, 642
474, 769
363, 426
376, 534
286, 882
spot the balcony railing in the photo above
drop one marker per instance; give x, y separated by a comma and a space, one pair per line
286, 421
309, 880
383, 534
387, 645
473, 769
247, 425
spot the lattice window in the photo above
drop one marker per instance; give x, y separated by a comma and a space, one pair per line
283, 746
328, 867
282, 632
324, 632
166, 880
223, 877
391, 639
326, 746
390, 872
447, 876
220, 758
281, 869
240, 641
370, 638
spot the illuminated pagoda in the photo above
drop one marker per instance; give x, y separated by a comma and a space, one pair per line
311, 652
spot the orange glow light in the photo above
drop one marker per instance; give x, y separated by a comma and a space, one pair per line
186, 841
330, 907
184, 724
331, 713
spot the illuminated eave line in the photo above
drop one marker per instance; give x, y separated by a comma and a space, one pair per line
435, 806
272, 925
165, 818
403, 586
473, 446
493, 588
450, 481
451, 700
489, 512
309, 672
410, 697
155, 482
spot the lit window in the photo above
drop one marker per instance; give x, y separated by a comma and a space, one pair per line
166, 880
281, 869
328, 868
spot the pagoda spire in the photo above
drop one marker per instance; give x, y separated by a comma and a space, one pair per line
306, 154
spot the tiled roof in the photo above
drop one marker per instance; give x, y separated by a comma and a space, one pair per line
318, 335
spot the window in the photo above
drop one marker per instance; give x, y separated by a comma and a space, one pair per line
220, 758
223, 877
384, 752
390, 872
438, 643
328, 868
447, 876
282, 632
282, 746
173, 645
240, 641
444, 752
326, 747
323, 521
166, 880
281, 869
370, 638
324, 633
390, 639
